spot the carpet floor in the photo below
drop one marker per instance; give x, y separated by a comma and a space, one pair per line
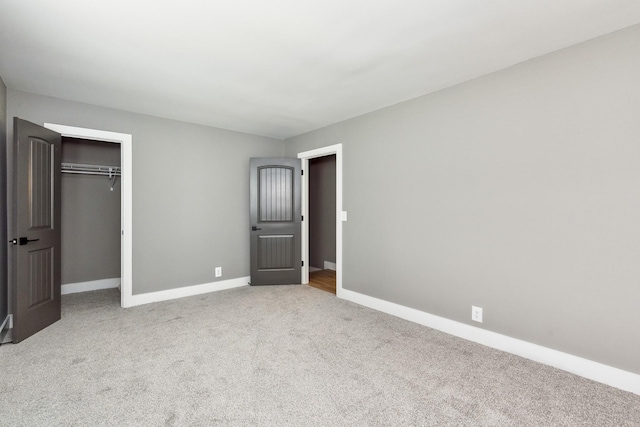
279, 355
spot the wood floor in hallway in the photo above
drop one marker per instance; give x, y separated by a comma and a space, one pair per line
324, 280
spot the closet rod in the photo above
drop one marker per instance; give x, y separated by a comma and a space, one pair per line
85, 169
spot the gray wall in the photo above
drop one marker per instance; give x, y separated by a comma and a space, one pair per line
190, 189
517, 192
90, 214
322, 210
4, 296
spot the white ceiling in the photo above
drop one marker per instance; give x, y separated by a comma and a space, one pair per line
279, 67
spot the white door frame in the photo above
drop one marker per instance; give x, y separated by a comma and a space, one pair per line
305, 157
126, 199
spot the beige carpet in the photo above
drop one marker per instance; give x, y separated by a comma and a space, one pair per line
292, 356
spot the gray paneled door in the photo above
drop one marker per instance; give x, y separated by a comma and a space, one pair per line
35, 258
275, 210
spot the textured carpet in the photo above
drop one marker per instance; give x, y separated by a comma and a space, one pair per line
289, 355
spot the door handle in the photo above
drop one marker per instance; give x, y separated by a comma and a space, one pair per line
24, 241
254, 228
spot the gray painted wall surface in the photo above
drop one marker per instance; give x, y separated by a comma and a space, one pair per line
322, 210
190, 189
90, 214
517, 192
4, 286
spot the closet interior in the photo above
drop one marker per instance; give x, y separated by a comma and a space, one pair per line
91, 215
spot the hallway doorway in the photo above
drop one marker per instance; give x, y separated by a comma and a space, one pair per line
337, 214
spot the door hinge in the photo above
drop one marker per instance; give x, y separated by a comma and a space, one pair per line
302, 218
303, 263
301, 171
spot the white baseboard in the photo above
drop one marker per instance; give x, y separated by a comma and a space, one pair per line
188, 291
6, 324
93, 285
624, 380
330, 265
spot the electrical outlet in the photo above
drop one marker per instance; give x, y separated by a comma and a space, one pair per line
476, 313
218, 271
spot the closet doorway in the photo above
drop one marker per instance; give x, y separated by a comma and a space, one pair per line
91, 215
126, 202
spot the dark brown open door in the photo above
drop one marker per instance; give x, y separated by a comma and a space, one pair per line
275, 221
35, 272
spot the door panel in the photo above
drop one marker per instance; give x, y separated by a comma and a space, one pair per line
275, 208
275, 251
35, 278
276, 191
40, 276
